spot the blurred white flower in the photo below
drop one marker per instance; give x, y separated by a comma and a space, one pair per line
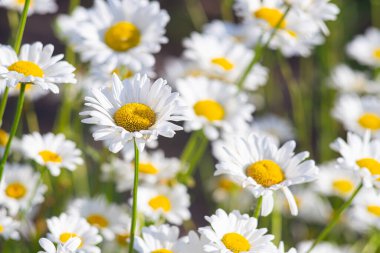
366, 48
35, 6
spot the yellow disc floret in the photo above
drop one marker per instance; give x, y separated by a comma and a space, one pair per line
343, 186
236, 242
371, 164
376, 53
162, 251
15, 190
64, 237
266, 173
271, 15
27, 68
1, 229
122, 239
3, 138
375, 210
160, 202
224, 63
210, 109
50, 157
370, 121
135, 117
122, 36
148, 168
98, 220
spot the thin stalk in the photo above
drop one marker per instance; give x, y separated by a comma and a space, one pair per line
31, 116
197, 13
375, 8
259, 50
13, 21
134, 201
276, 226
190, 146
226, 10
336, 218
257, 211
14, 127
3, 103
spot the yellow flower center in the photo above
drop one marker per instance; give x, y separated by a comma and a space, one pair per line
50, 157
135, 117
27, 68
27, 87
210, 109
147, 168
1, 229
371, 164
16, 190
3, 138
122, 239
227, 185
160, 202
375, 210
64, 237
162, 251
123, 73
266, 173
122, 36
97, 220
22, 2
224, 63
343, 186
271, 15
236, 242
376, 53
370, 121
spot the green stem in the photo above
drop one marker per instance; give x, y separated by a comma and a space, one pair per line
276, 226
226, 10
259, 50
13, 21
375, 8
31, 116
134, 201
3, 104
73, 4
257, 211
14, 127
336, 218
197, 13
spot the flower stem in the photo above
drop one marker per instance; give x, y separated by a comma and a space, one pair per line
336, 218
14, 127
197, 13
257, 211
259, 50
134, 201
276, 225
3, 104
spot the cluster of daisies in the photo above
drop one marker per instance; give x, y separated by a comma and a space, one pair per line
142, 196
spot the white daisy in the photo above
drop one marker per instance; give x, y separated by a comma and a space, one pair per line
361, 155
345, 79
215, 106
260, 165
358, 114
52, 151
35, 65
133, 109
65, 227
223, 60
21, 188
163, 238
35, 6
161, 201
69, 247
322, 247
117, 32
235, 232
106, 217
335, 181
8, 226
366, 48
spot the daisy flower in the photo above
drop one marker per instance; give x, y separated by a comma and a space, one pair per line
63, 228
123, 32
223, 60
258, 164
322, 247
366, 48
8, 226
69, 247
106, 217
215, 106
35, 6
361, 155
161, 201
235, 232
35, 65
358, 114
21, 188
336, 181
52, 151
133, 109
163, 238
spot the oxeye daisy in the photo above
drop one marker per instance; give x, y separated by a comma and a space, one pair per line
35, 65
366, 48
35, 6
69, 247
9, 227
122, 32
223, 60
158, 239
258, 164
361, 155
20, 189
63, 228
106, 217
52, 151
358, 114
215, 106
235, 232
161, 201
133, 109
